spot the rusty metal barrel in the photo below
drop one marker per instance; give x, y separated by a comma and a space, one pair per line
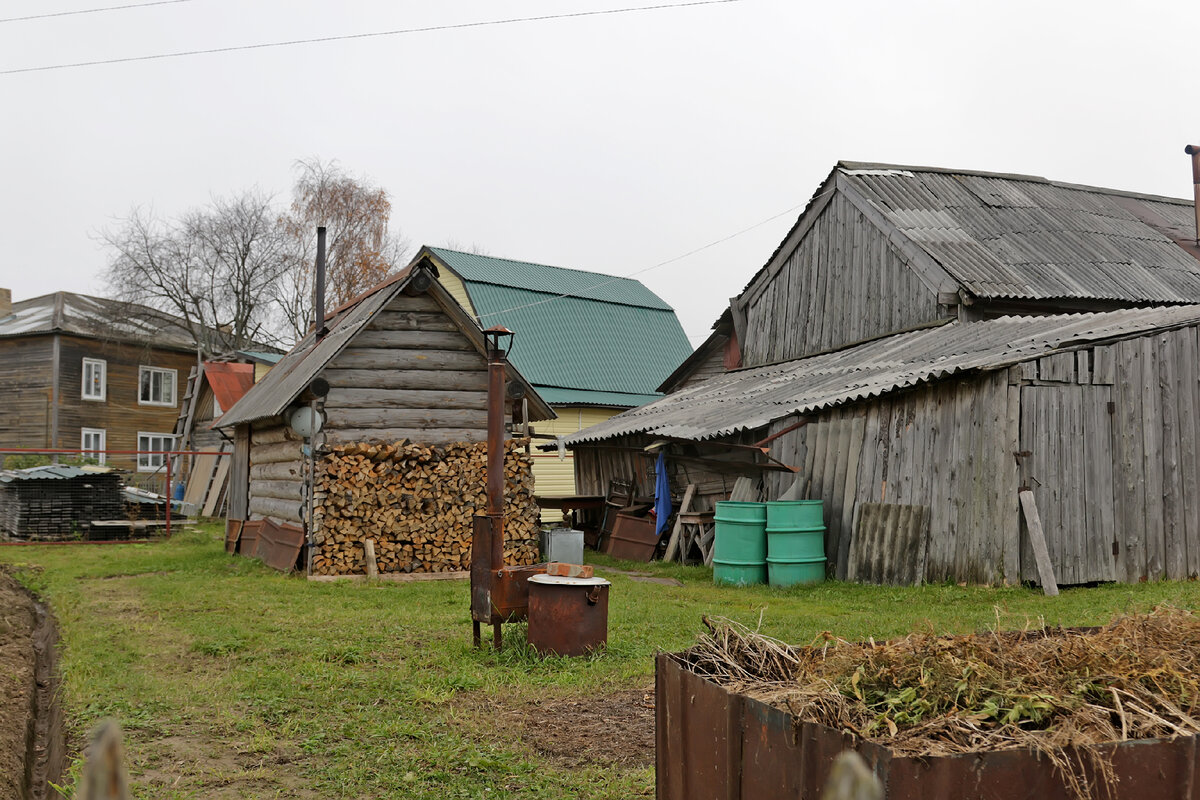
567, 616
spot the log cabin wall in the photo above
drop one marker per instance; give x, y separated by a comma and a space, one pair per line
26, 390
410, 374
843, 283
277, 472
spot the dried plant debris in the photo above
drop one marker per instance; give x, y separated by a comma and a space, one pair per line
926, 695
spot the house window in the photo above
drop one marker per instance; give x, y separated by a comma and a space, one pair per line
94, 373
156, 387
91, 442
157, 442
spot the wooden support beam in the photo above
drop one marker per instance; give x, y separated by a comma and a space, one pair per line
673, 542
1037, 540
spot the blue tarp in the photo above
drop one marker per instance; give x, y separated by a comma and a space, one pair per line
662, 494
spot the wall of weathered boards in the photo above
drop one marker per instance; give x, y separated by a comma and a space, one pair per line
922, 485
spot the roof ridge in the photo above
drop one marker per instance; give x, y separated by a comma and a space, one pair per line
535, 264
1011, 176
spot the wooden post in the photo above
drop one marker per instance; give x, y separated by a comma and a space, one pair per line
851, 779
1037, 539
104, 775
369, 553
673, 542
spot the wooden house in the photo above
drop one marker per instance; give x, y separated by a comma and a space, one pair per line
401, 362
80, 372
925, 343
592, 345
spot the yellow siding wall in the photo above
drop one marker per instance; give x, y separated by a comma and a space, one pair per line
260, 370
451, 283
550, 475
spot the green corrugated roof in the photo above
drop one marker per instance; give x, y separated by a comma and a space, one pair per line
552, 280
588, 397
607, 343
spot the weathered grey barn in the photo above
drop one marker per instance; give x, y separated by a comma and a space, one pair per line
926, 342
403, 361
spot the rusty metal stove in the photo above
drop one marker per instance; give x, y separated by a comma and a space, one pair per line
499, 594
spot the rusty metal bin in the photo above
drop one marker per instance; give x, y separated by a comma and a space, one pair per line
567, 616
712, 743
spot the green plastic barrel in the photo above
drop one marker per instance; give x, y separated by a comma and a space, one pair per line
795, 542
740, 543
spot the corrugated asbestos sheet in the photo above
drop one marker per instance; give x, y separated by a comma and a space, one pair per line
752, 398
83, 315
1022, 237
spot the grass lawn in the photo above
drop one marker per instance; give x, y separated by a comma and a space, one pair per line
231, 680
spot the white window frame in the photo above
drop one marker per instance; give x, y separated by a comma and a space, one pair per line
102, 365
153, 462
93, 451
174, 376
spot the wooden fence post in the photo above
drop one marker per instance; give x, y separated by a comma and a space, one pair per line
851, 779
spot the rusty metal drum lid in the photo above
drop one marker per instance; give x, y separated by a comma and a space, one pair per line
557, 580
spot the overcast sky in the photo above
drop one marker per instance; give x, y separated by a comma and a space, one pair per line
609, 143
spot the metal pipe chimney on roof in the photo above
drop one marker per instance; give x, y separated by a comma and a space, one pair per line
1194, 151
319, 301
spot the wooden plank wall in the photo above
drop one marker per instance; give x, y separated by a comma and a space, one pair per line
277, 472
710, 362
842, 284
119, 414
26, 367
1156, 470
410, 374
947, 447
624, 459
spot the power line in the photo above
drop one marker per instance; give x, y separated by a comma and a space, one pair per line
369, 35
92, 10
644, 270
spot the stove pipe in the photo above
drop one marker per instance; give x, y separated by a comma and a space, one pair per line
319, 288
1194, 151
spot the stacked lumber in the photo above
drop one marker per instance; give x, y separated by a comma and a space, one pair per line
48, 504
416, 503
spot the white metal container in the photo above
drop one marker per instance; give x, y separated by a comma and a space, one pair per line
562, 544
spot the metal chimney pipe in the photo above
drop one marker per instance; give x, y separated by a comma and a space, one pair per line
1194, 151
319, 301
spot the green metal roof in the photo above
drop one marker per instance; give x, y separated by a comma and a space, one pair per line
551, 280
588, 397
609, 342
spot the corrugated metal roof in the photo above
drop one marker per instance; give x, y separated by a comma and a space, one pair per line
229, 381
556, 396
605, 338
52, 472
1025, 237
584, 344
548, 280
752, 398
97, 317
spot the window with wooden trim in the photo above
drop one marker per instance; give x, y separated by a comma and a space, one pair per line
158, 443
92, 443
95, 379
156, 387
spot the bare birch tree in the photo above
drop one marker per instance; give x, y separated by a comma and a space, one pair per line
360, 249
217, 268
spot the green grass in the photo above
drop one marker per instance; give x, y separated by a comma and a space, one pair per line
231, 680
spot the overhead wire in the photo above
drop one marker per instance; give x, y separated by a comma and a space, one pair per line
644, 270
367, 35
91, 10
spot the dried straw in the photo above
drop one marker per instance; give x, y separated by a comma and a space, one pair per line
924, 695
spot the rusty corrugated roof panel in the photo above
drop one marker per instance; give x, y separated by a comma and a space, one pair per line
229, 381
753, 398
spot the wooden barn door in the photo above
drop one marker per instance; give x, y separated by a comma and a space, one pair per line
1067, 460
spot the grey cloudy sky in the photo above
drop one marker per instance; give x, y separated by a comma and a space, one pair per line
609, 143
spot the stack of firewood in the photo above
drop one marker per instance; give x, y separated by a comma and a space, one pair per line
416, 502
